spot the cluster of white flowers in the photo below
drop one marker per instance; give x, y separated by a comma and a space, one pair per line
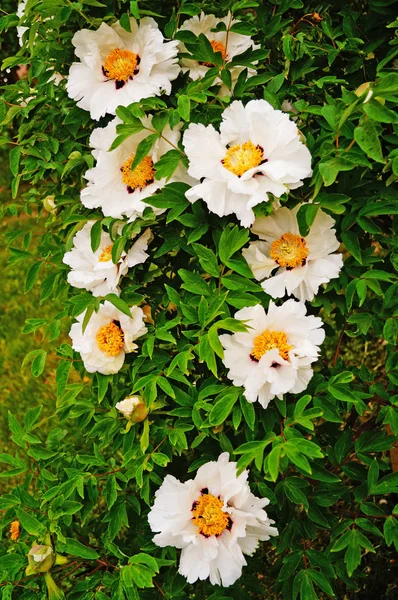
257, 156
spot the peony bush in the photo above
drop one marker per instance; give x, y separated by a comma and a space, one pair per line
216, 187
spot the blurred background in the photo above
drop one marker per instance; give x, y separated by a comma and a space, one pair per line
19, 390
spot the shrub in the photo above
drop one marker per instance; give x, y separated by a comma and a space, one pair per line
165, 287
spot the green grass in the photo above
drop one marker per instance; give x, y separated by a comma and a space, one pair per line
20, 391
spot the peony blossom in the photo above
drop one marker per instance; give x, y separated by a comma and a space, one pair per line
302, 264
274, 356
214, 519
258, 151
229, 43
118, 67
95, 271
112, 185
108, 337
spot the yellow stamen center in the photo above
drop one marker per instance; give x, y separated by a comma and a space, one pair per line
208, 515
106, 254
110, 339
142, 175
14, 530
289, 251
120, 64
217, 47
242, 157
268, 340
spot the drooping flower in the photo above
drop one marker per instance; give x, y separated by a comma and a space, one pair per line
15, 529
108, 337
302, 263
214, 519
133, 408
118, 67
258, 151
274, 356
112, 185
229, 43
95, 271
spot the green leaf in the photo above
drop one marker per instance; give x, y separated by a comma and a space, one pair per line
143, 148
32, 525
306, 216
134, 9
31, 276
223, 407
391, 531
231, 241
117, 248
167, 164
119, 304
273, 460
62, 376
15, 155
367, 138
76, 548
380, 113
184, 107
38, 363
142, 575
350, 240
207, 259
96, 232
386, 85
193, 283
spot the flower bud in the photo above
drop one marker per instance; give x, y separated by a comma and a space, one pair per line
133, 408
49, 204
40, 559
362, 89
74, 154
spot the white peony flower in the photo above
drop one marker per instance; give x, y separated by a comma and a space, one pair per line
20, 13
275, 355
258, 151
229, 43
112, 185
133, 408
109, 335
302, 263
95, 271
117, 68
214, 519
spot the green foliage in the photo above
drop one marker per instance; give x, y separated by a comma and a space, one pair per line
86, 483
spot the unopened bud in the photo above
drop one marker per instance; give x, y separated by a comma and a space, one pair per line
133, 408
362, 89
74, 154
218, 429
49, 204
40, 559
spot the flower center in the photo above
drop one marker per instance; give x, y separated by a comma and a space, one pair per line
289, 251
110, 339
121, 65
142, 175
242, 157
268, 340
217, 47
106, 254
209, 517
